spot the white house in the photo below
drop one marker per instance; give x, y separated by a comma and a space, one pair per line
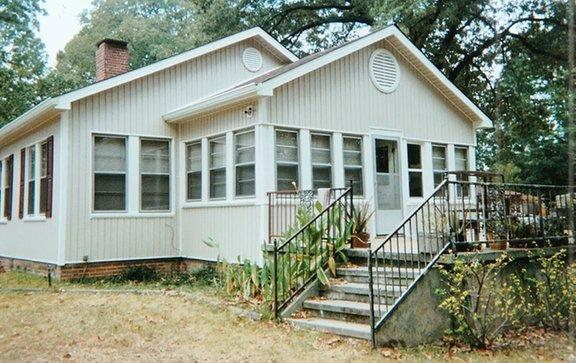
144, 165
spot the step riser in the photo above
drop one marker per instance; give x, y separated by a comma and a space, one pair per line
334, 330
338, 316
336, 295
409, 262
389, 281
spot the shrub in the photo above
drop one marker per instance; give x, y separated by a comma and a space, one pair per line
140, 273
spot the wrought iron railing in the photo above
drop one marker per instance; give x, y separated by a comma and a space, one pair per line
284, 205
310, 246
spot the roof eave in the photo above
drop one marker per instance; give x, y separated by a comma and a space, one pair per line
29, 118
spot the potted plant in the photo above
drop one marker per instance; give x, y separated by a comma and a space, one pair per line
360, 217
498, 232
522, 235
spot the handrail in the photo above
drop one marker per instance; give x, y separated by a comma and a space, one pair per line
306, 253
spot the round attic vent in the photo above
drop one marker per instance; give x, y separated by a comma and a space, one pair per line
384, 70
252, 59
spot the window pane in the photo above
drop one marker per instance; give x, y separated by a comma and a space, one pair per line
155, 156
31, 191
461, 158
322, 177
287, 146
245, 180
321, 149
109, 154
414, 158
286, 175
439, 157
31, 163
218, 183
438, 178
218, 152
287, 138
155, 192
354, 174
244, 147
109, 192
44, 159
194, 186
415, 184
194, 157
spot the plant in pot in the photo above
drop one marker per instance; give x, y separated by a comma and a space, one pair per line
498, 229
522, 234
360, 217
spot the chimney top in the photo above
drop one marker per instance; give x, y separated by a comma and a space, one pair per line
112, 58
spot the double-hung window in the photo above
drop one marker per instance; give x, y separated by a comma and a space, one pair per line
461, 163
438, 163
194, 170
287, 167
110, 169
415, 185
244, 160
321, 161
217, 167
43, 177
2, 184
154, 175
8, 176
352, 149
31, 180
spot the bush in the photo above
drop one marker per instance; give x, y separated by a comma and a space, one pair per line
140, 273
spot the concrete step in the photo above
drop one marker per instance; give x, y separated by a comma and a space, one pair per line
353, 291
339, 306
388, 271
409, 258
344, 328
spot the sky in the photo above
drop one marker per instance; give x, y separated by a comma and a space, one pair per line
60, 25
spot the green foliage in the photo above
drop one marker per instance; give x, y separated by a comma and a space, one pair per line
22, 57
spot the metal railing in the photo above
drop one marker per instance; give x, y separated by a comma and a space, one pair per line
284, 205
310, 246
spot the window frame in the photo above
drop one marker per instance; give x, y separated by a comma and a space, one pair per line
438, 171
224, 167
3, 219
187, 146
462, 191
415, 170
353, 167
236, 164
32, 152
126, 173
322, 165
141, 174
283, 162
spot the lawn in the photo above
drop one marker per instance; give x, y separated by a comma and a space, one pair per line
197, 324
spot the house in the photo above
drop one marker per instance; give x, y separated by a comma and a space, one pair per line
143, 166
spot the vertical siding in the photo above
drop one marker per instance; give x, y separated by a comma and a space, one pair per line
226, 120
32, 240
341, 96
136, 109
234, 228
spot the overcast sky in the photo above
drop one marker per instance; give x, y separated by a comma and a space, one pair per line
60, 24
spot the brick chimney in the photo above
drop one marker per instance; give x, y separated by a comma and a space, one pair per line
112, 58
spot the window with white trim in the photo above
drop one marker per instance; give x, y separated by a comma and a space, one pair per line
194, 171
31, 180
461, 164
415, 182
321, 161
244, 163
287, 166
2, 184
110, 169
43, 176
439, 163
154, 175
352, 149
217, 147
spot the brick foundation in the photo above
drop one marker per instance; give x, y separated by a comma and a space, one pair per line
98, 269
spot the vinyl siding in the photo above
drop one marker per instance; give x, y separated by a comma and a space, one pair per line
136, 109
340, 96
32, 240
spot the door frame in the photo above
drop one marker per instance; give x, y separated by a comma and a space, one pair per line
391, 135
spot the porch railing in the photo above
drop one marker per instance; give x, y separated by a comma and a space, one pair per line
304, 254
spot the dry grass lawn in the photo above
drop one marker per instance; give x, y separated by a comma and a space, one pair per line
196, 326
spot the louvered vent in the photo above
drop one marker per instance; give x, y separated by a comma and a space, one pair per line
252, 59
384, 70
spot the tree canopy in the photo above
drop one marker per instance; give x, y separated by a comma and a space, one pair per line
509, 56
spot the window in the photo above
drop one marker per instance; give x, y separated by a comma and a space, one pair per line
2, 183
286, 159
244, 160
438, 163
31, 177
43, 177
461, 163
321, 161
8, 186
154, 175
353, 163
218, 167
194, 171
415, 170
109, 173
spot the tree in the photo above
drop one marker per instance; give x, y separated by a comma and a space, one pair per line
22, 57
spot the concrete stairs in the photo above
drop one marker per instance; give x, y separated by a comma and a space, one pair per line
343, 307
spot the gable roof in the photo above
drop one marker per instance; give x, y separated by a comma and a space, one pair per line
64, 101
265, 84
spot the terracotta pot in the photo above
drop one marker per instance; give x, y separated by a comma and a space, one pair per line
498, 246
361, 240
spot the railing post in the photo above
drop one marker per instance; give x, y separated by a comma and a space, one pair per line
275, 279
371, 297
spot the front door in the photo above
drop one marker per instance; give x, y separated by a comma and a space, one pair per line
388, 186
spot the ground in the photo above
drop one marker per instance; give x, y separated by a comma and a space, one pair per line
96, 323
